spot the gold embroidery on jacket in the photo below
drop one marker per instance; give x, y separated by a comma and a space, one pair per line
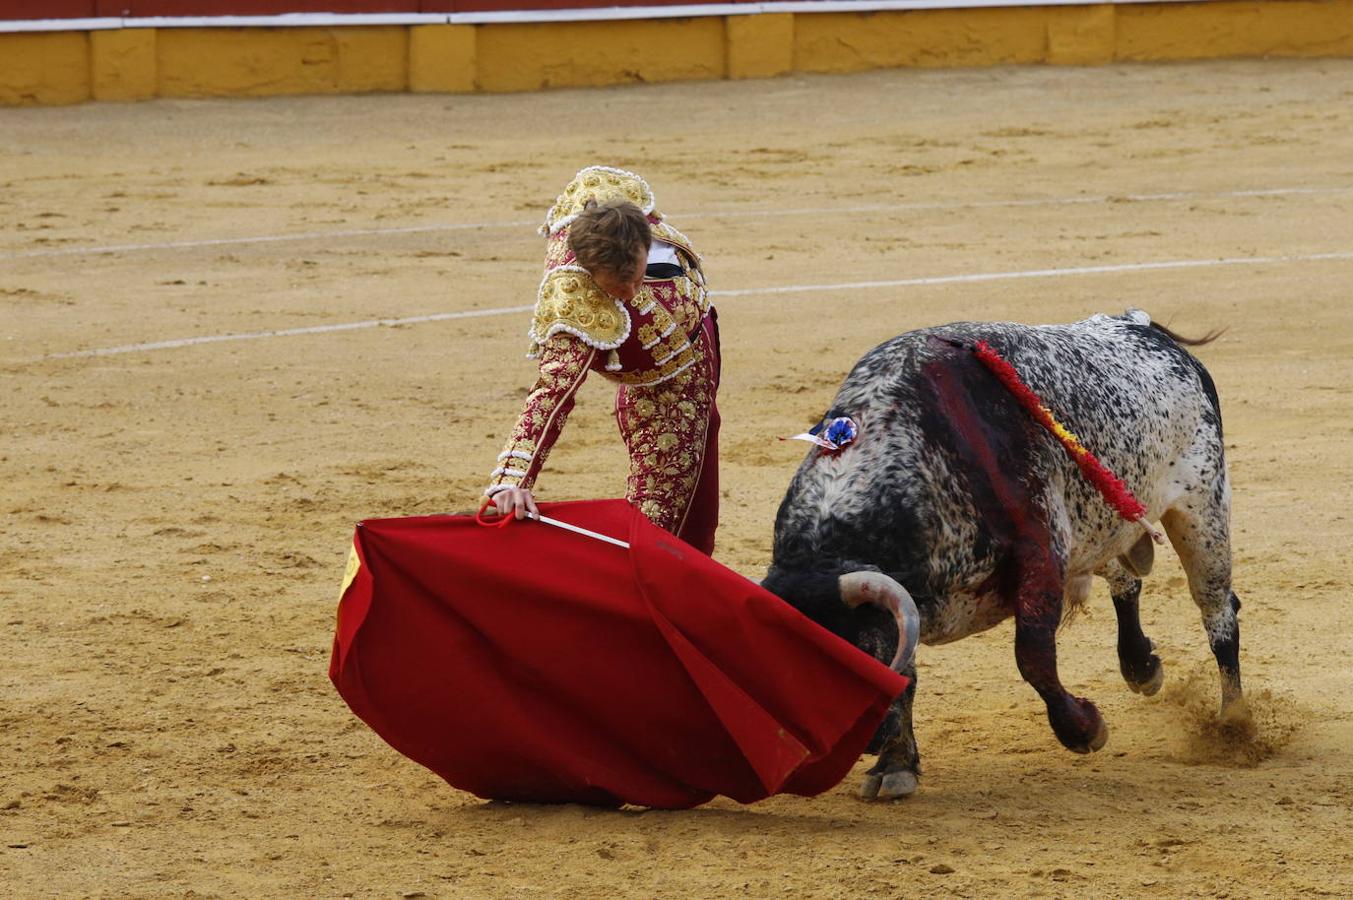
603, 184
570, 301
564, 364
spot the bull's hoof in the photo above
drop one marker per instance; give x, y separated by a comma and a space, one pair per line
1096, 743
1151, 685
1101, 737
1079, 726
889, 786
1236, 713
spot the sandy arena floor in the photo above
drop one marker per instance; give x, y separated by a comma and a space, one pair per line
176, 518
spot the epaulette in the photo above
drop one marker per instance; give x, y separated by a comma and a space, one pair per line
570, 301
602, 184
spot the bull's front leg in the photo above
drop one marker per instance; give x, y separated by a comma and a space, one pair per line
899, 764
1038, 612
898, 771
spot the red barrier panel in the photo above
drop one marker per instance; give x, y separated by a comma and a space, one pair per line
265, 7
507, 5
80, 9
47, 9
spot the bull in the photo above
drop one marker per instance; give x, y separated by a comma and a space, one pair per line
952, 510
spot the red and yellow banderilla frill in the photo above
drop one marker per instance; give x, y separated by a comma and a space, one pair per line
1109, 485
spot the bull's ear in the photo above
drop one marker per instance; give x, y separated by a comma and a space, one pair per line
884, 592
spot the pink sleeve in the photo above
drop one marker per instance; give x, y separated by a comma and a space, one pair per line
564, 361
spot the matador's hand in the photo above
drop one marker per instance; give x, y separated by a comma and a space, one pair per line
517, 501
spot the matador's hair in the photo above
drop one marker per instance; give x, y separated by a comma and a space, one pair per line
609, 236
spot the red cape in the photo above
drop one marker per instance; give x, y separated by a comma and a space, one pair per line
530, 663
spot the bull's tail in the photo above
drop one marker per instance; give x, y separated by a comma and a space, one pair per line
1141, 317
1189, 342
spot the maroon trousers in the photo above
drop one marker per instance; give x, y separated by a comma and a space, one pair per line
671, 430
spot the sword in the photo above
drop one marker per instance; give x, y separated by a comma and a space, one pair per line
557, 523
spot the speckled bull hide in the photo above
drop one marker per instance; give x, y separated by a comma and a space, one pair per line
955, 493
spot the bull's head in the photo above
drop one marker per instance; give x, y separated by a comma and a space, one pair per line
834, 601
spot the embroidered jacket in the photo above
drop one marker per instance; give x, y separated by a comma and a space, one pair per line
577, 327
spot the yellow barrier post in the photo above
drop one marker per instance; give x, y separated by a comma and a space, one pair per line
760, 46
442, 59
122, 64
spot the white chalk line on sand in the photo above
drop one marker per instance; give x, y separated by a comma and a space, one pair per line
1041, 273
743, 292
288, 332
708, 214
260, 239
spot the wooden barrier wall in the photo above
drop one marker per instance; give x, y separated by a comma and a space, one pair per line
133, 63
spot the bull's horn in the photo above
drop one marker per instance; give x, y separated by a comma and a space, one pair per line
886, 593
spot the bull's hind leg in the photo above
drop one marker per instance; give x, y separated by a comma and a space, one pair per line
1038, 611
1199, 528
1137, 660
